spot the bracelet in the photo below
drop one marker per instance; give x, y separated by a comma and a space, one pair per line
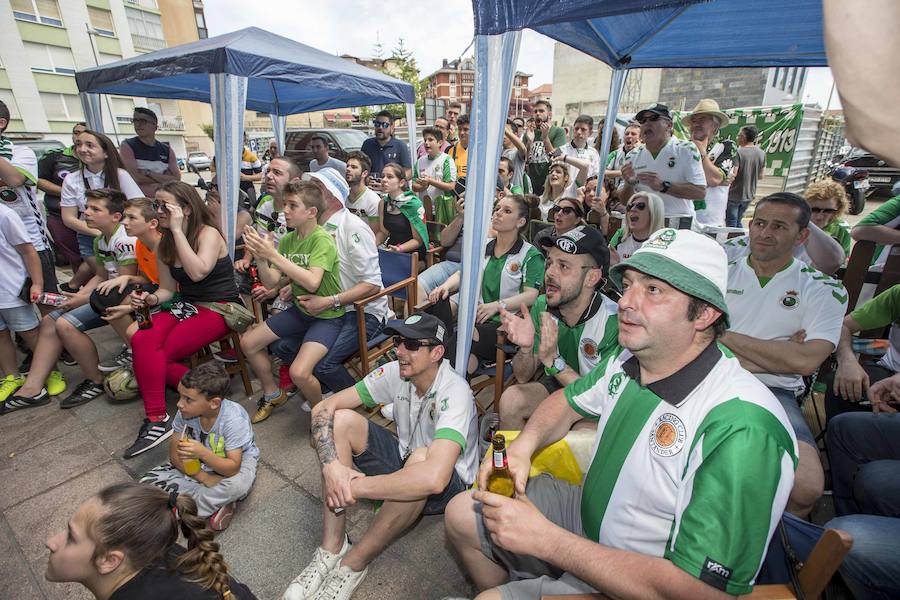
336, 301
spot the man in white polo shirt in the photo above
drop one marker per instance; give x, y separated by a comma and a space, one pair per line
433, 457
664, 165
785, 320
692, 464
719, 158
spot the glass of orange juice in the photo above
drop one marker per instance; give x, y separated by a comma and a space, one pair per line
191, 465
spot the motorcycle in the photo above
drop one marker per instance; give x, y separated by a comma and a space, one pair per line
856, 184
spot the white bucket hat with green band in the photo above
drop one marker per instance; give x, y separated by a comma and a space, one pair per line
686, 260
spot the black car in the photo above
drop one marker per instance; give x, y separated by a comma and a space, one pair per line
341, 142
882, 176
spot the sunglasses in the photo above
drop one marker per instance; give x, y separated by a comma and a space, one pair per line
651, 118
566, 210
382, 124
636, 206
411, 345
827, 211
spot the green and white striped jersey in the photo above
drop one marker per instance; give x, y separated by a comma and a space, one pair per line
695, 468
585, 344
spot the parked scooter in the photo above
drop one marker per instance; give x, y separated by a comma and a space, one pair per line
855, 182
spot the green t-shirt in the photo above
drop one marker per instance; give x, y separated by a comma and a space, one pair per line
840, 231
538, 161
881, 311
510, 274
315, 250
888, 214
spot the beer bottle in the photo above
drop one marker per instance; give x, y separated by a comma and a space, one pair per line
500, 481
142, 316
254, 278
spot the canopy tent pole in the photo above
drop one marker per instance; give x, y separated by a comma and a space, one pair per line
92, 114
616, 85
411, 126
279, 126
495, 63
228, 96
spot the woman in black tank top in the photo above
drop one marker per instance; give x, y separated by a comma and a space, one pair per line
194, 267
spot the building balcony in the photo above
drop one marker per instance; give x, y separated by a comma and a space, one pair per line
148, 43
151, 4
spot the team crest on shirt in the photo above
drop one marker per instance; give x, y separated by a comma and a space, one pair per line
589, 349
672, 162
377, 373
667, 436
514, 267
790, 300
615, 382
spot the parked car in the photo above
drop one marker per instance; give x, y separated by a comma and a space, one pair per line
341, 142
882, 176
41, 146
199, 161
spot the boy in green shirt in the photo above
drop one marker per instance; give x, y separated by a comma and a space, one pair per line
307, 259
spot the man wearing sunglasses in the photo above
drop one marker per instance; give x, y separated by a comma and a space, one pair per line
150, 162
664, 165
432, 458
384, 148
570, 328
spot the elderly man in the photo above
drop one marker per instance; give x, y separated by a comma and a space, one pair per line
718, 159
432, 458
664, 165
786, 319
692, 464
150, 162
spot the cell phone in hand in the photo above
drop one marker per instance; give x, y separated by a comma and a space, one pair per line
556, 153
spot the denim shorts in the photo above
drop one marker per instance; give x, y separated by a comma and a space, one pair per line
437, 274
382, 457
85, 244
788, 400
84, 318
18, 318
293, 321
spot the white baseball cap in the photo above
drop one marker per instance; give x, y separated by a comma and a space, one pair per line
686, 260
333, 182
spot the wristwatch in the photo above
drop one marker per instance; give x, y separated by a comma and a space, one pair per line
558, 366
665, 186
336, 302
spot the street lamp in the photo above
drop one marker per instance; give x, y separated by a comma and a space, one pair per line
91, 33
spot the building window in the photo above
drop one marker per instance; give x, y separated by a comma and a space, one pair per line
201, 25
50, 59
101, 21
62, 107
146, 29
38, 11
452, 77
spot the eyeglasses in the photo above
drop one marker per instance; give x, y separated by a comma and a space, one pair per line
566, 210
382, 124
636, 206
827, 211
411, 345
651, 118
138, 121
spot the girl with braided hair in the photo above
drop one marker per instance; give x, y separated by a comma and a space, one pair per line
121, 545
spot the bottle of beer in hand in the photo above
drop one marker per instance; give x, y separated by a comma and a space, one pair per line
254, 278
500, 481
142, 315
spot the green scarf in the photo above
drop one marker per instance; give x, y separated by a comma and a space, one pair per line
411, 207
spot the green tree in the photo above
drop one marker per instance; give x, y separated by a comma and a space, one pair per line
208, 129
408, 71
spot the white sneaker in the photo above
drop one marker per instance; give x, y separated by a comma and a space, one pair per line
387, 411
310, 579
340, 584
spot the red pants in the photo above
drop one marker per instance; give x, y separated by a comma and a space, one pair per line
158, 350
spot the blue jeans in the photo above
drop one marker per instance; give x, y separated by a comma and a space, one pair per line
871, 570
864, 452
734, 213
331, 371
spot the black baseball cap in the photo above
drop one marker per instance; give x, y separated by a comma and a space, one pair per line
419, 327
583, 239
657, 109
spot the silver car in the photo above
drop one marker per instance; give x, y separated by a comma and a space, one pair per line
198, 161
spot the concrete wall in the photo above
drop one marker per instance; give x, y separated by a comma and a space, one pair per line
681, 89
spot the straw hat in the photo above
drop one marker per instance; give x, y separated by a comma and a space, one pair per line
707, 106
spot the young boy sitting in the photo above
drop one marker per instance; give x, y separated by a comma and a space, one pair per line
66, 326
18, 260
308, 257
212, 456
434, 176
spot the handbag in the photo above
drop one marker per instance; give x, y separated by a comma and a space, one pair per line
237, 317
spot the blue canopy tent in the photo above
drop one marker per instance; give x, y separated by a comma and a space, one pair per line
250, 68
625, 34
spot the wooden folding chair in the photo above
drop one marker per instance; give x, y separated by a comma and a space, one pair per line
824, 560
496, 376
229, 341
435, 250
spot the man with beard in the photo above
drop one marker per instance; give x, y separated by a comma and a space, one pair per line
570, 327
630, 140
384, 148
786, 319
362, 201
718, 161
542, 141
664, 165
